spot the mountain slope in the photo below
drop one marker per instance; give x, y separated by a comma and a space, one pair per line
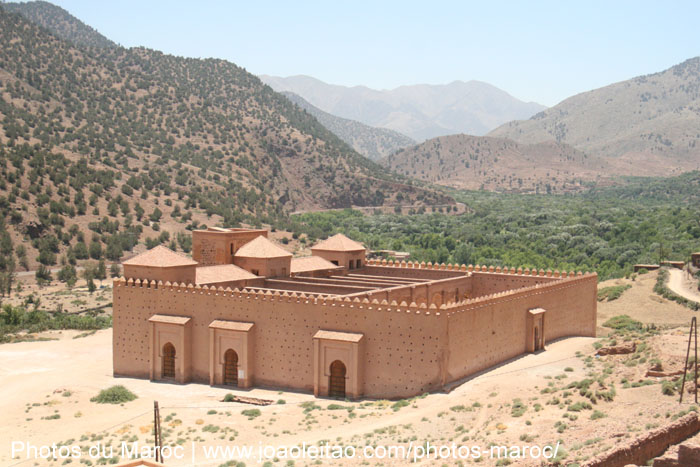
480, 162
420, 112
373, 143
650, 120
59, 22
108, 145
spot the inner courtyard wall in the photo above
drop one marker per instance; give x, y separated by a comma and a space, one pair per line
487, 283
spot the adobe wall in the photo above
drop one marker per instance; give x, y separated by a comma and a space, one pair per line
403, 346
451, 289
301, 286
211, 247
241, 283
485, 283
408, 349
650, 445
488, 330
347, 259
172, 274
268, 267
375, 268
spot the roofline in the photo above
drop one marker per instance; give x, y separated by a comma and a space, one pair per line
194, 263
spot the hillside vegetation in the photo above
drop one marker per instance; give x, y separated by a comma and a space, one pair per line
499, 164
606, 230
103, 148
59, 22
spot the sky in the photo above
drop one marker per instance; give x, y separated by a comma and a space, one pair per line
541, 51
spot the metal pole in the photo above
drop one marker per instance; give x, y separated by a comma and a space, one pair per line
687, 356
156, 430
694, 323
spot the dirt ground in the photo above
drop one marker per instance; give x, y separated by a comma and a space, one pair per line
565, 394
683, 284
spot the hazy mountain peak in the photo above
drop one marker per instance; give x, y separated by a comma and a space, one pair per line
420, 111
651, 120
373, 143
60, 23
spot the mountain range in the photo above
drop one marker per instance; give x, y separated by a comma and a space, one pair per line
498, 164
420, 111
372, 142
652, 121
645, 126
103, 144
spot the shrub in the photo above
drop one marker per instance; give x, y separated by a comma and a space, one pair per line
623, 322
579, 406
668, 388
597, 414
338, 407
211, 428
396, 406
114, 395
251, 413
518, 408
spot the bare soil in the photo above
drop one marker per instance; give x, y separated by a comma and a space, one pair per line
47, 386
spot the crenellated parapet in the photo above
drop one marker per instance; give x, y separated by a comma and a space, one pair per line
476, 268
565, 282
308, 299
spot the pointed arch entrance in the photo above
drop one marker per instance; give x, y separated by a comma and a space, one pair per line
168, 365
336, 384
231, 368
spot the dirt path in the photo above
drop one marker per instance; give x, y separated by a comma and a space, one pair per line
678, 283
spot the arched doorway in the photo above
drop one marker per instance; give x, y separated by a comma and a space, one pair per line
537, 339
168, 361
231, 368
336, 385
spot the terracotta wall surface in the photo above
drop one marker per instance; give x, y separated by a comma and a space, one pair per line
402, 349
492, 329
439, 291
342, 258
268, 267
210, 247
300, 286
172, 274
486, 283
650, 445
408, 273
408, 350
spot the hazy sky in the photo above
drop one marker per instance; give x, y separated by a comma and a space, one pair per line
536, 50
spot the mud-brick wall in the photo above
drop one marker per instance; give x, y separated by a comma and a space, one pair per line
486, 332
486, 283
409, 273
403, 347
649, 445
130, 346
451, 289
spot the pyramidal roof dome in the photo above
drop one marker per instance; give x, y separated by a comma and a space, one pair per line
161, 257
338, 242
261, 247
